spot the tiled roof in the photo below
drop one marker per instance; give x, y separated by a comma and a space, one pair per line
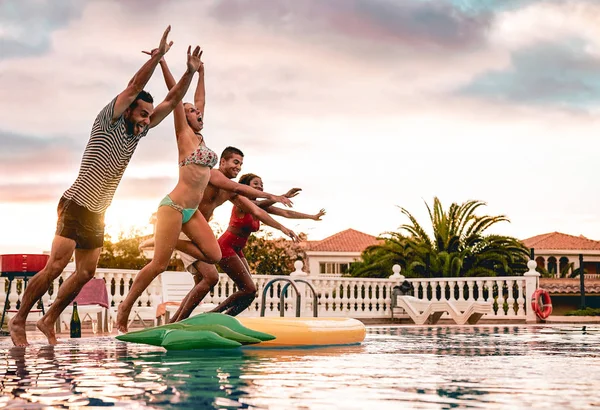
569, 285
349, 240
557, 240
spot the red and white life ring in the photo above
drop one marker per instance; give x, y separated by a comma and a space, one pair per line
541, 303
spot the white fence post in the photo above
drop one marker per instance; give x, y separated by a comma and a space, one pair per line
304, 299
396, 276
531, 284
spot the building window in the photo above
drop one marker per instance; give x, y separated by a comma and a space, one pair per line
334, 268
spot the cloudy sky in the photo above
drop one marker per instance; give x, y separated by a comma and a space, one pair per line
365, 104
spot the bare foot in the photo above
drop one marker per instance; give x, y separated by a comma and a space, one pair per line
122, 318
17, 332
48, 330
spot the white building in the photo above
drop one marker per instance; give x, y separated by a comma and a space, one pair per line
334, 254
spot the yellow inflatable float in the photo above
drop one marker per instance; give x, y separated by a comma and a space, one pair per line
306, 331
220, 331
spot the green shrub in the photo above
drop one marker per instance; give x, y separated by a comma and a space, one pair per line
584, 312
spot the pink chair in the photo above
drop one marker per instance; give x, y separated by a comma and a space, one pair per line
93, 299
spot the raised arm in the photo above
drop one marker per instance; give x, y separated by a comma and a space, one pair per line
178, 111
265, 203
141, 78
220, 181
288, 213
176, 92
200, 94
248, 206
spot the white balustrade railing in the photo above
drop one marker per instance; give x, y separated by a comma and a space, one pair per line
336, 296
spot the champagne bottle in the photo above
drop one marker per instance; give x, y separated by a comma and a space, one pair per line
75, 322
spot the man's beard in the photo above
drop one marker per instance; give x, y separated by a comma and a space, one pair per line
130, 127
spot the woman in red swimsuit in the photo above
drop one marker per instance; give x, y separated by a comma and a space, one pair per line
233, 241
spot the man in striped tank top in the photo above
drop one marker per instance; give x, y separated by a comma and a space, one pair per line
114, 137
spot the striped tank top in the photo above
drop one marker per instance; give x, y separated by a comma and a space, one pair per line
105, 158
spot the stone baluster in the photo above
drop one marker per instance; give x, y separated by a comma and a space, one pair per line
118, 298
520, 299
46, 300
470, 287
363, 297
145, 297
422, 286
480, 290
357, 296
260, 285
154, 291
500, 299
320, 295
13, 296
108, 278
354, 295
334, 297
510, 300
345, 296
434, 285
326, 296
451, 289
341, 291
271, 300
382, 308
461, 291
489, 284
368, 298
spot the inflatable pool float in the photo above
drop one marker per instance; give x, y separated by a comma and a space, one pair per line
307, 331
217, 330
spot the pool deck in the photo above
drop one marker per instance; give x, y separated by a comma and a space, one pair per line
483, 322
35, 335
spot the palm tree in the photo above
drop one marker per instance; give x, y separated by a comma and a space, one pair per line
458, 247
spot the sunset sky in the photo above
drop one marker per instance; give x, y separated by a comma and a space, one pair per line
366, 105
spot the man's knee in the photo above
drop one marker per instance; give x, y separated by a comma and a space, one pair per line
86, 274
56, 266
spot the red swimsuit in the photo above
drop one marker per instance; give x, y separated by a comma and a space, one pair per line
232, 244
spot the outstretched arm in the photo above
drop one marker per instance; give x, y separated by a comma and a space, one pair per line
176, 93
200, 94
140, 79
265, 203
288, 213
248, 206
220, 181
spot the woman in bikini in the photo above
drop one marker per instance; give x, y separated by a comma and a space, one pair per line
176, 209
233, 241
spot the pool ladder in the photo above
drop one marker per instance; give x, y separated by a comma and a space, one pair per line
282, 295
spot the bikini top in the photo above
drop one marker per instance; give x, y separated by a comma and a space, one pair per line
247, 222
201, 156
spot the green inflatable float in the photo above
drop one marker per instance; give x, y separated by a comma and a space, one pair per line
203, 331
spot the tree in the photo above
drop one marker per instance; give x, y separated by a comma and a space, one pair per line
124, 253
458, 246
268, 256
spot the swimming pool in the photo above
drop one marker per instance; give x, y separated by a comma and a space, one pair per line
396, 367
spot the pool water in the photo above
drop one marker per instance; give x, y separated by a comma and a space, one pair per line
396, 367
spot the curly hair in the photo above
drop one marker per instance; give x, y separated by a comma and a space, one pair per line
247, 178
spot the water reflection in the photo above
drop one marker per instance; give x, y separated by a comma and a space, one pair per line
424, 367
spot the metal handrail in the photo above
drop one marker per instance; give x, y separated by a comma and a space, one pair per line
315, 299
270, 284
